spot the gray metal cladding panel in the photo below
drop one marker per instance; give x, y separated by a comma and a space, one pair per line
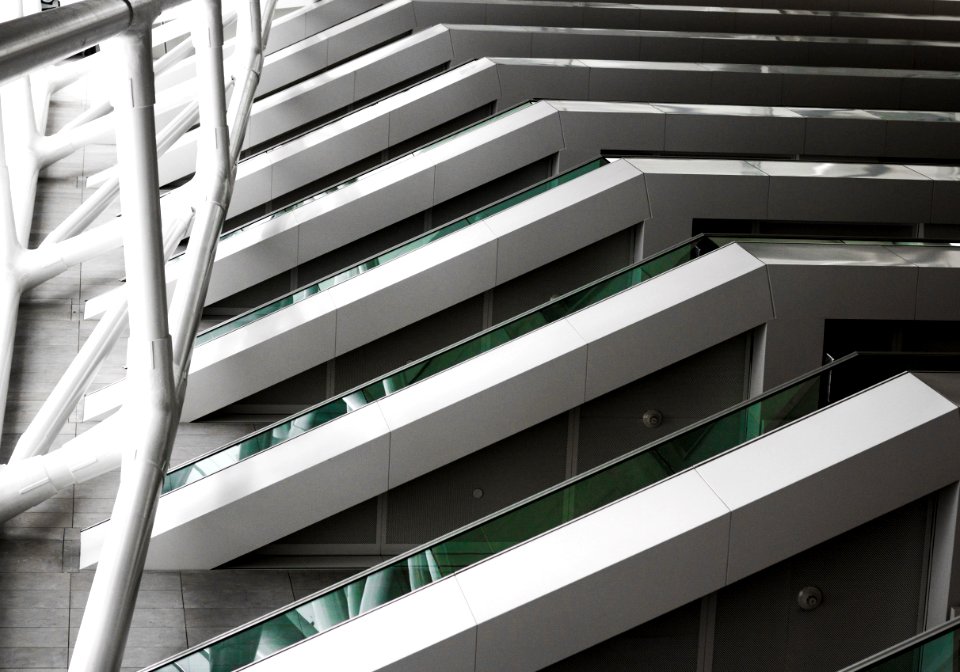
938, 230
584, 45
671, 49
418, 56
742, 135
934, 139
858, 55
665, 644
431, 13
930, 94
846, 91
675, 86
946, 205
476, 42
692, 21
356, 525
611, 131
937, 297
696, 196
330, 14
562, 275
524, 82
872, 584
852, 199
606, 15
505, 472
744, 88
859, 26
394, 350
690, 390
843, 137
889, 6
374, 30
554, 15
935, 57
944, 8
768, 52
782, 24
849, 292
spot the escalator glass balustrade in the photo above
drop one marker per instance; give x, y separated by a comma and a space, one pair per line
544, 512
937, 650
485, 341
417, 243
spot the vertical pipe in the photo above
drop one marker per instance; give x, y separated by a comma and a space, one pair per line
151, 413
10, 252
214, 177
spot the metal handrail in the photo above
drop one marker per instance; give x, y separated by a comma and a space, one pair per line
38, 39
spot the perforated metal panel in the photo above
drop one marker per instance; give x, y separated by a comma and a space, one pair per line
685, 392
565, 274
421, 338
297, 392
666, 644
485, 194
872, 580
505, 472
356, 525
355, 252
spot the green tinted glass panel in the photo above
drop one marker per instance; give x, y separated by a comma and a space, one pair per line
461, 352
521, 523
421, 241
444, 359
941, 654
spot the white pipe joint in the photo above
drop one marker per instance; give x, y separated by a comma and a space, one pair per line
31, 481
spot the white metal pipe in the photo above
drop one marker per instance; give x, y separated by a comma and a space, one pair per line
106, 621
52, 148
47, 262
95, 452
249, 57
39, 39
269, 7
67, 72
180, 52
40, 434
213, 184
94, 205
94, 111
42, 430
20, 125
42, 38
9, 308
86, 213
10, 251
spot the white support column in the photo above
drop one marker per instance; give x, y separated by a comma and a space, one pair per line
943, 586
10, 251
18, 121
213, 187
152, 412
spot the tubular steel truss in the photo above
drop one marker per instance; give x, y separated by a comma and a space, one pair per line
139, 436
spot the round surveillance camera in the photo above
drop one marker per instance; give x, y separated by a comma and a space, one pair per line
810, 598
652, 418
